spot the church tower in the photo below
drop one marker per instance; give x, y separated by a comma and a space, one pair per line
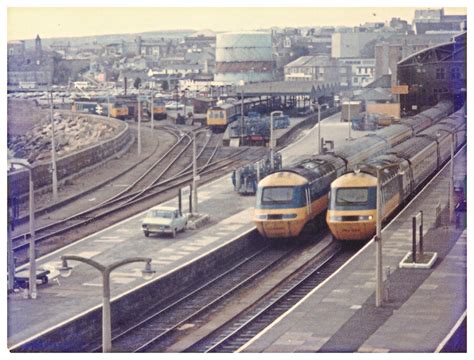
38, 48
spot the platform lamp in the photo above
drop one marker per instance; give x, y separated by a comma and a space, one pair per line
319, 128
350, 119
195, 174
378, 231
241, 83
66, 271
54, 170
32, 248
451, 176
272, 140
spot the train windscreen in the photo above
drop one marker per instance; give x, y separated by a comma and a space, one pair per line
352, 196
271, 195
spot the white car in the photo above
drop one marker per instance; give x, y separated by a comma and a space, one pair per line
164, 220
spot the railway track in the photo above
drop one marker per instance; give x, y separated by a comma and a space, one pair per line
172, 130
163, 323
246, 325
167, 326
131, 202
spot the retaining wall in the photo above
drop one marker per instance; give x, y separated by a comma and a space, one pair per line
72, 164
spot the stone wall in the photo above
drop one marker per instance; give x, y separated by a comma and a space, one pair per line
73, 163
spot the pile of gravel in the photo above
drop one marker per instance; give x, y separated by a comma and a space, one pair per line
71, 134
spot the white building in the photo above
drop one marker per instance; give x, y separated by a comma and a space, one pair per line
362, 71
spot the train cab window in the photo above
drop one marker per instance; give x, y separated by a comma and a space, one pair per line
271, 195
221, 114
352, 196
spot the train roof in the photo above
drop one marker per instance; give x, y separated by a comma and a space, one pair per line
222, 107
283, 178
355, 179
357, 146
411, 147
305, 171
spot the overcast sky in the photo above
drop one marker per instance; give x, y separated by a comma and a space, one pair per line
56, 21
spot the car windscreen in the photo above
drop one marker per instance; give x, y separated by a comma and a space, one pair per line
160, 214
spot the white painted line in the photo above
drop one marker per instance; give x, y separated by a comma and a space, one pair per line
161, 262
295, 306
123, 280
92, 284
172, 257
190, 247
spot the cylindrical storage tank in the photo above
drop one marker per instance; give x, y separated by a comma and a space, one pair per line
244, 56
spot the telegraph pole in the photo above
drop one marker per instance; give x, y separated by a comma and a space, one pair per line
53, 154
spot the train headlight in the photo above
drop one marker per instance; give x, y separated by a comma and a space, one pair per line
289, 216
366, 217
336, 218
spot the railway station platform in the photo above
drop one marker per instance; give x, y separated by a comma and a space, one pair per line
279, 134
423, 307
61, 299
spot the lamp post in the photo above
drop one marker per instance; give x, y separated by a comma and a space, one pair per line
378, 237
152, 106
108, 105
139, 137
350, 120
242, 83
66, 270
195, 175
32, 250
272, 145
319, 128
53, 155
451, 180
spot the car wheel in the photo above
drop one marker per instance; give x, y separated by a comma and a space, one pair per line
146, 233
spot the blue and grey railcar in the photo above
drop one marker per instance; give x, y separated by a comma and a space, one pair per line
352, 209
290, 198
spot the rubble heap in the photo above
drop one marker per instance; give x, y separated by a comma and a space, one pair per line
71, 134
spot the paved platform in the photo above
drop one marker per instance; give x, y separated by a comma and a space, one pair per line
62, 299
423, 306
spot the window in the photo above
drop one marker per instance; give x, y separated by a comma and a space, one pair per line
440, 73
455, 73
272, 195
351, 196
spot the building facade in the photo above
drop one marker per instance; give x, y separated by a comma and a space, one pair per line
389, 52
29, 66
433, 74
